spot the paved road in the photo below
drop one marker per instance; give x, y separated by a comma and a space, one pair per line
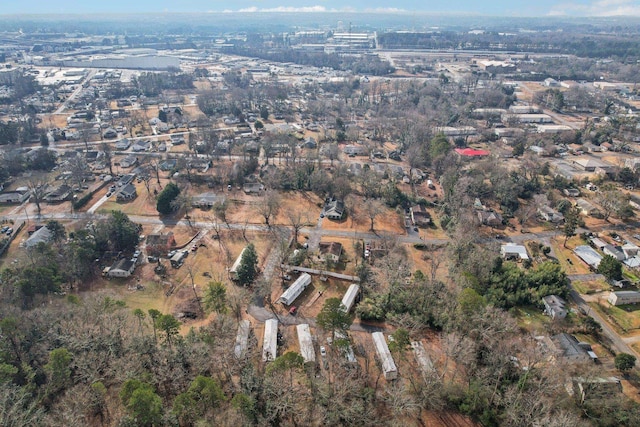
617, 342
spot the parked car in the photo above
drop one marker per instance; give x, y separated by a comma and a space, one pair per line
293, 310
323, 351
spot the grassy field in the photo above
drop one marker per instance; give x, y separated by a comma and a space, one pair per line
590, 287
531, 318
564, 254
624, 318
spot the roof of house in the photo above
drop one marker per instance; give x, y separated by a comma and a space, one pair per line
160, 239
124, 264
489, 216
512, 248
333, 248
128, 190
568, 346
43, 234
334, 207
588, 255
471, 152
554, 301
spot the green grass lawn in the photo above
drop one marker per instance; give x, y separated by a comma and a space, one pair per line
590, 287
625, 318
530, 318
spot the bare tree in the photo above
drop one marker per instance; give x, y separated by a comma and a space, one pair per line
297, 220
269, 206
372, 208
38, 186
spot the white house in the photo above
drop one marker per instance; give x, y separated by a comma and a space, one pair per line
624, 297
122, 268
554, 307
513, 251
386, 360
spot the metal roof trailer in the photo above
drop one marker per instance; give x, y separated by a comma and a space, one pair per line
386, 360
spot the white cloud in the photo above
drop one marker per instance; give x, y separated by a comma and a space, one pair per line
286, 9
385, 10
598, 8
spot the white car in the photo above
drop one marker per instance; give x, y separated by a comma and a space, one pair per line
323, 351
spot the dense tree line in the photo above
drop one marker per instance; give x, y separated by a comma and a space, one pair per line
152, 84
371, 65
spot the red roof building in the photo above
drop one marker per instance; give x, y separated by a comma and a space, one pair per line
471, 152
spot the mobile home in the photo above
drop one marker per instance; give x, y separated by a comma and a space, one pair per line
294, 291
306, 344
386, 360
270, 342
242, 339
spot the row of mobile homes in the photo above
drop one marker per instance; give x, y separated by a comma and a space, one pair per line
233, 273
294, 291
350, 297
270, 342
306, 344
242, 339
386, 360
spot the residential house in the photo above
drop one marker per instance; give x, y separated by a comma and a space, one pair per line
124, 267
598, 243
471, 153
547, 213
253, 188
490, 218
420, 217
334, 209
589, 164
330, 250
632, 262
589, 256
139, 146
167, 165
355, 150
128, 161
58, 194
586, 208
123, 144
630, 250
624, 297
177, 139
571, 192
206, 200
160, 244
567, 347
310, 143
126, 193
18, 196
126, 179
110, 133
178, 259
554, 307
512, 251
41, 235
614, 252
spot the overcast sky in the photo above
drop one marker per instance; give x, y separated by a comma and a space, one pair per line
490, 7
